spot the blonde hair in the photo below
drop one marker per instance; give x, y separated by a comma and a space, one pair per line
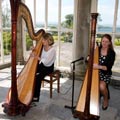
49, 38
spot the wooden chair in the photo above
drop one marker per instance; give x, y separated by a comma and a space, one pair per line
51, 78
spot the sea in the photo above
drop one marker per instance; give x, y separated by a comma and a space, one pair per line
100, 28
107, 29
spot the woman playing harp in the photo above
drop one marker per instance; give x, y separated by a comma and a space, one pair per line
106, 61
46, 63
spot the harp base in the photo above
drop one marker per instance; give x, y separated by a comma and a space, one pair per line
14, 110
82, 116
71, 107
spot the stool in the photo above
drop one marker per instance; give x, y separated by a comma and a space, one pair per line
52, 77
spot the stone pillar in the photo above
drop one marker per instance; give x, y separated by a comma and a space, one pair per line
20, 37
1, 37
20, 40
81, 34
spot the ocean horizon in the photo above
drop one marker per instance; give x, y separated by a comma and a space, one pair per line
105, 28
100, 28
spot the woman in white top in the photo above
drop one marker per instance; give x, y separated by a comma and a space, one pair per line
46, 63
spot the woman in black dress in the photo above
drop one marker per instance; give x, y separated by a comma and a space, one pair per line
106, 61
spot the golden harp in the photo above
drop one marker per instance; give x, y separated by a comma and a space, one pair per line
88, 102
25, 80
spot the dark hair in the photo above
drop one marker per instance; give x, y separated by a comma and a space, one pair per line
110, 40
49, 37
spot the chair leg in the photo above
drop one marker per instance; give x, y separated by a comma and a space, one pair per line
51, 87
58, 83
55, 75
42, 83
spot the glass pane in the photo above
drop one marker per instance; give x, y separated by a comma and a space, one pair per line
6, 32
67, 13
106, 15
118, 19
40, 13
30, 5
116, 67
66, 49
52, 12
6, 13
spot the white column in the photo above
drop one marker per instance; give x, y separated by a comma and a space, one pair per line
74, 28
115, 19
94, 4
46, 14
59, 31
1, 37
34, 16
34, 19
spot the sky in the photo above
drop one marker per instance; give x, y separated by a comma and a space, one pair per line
67, 8
105, 10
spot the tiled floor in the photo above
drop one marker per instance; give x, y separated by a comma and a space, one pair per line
54, 109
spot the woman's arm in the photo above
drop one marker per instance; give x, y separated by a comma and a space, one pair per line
110, 60
101, 67
108, 63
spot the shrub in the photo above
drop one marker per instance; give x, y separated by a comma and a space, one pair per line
117, 42
29, 42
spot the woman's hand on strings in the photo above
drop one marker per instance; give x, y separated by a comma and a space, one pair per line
97, 66
34, 55
101, 67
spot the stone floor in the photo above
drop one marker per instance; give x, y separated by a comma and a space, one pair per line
54, 109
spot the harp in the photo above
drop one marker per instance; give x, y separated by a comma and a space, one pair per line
88, 101
19, 99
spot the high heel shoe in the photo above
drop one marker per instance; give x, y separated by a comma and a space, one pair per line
104, 107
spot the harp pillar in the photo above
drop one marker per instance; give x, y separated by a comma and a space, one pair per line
11, 107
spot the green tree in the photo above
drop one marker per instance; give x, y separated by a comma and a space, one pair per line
99, 18
5, 14
68, 23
